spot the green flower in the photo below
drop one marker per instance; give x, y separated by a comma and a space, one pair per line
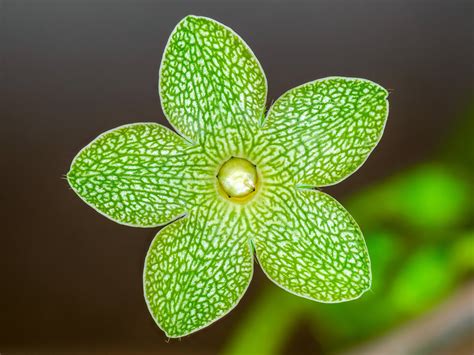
235, 180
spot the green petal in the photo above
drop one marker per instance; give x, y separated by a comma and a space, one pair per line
210, 80
140, 175
197, 269
325, 130
309, 245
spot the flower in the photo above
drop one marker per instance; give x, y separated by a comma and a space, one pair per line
235, 181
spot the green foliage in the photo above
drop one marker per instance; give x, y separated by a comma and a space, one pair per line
429, 198
424, 278
271, 319
462, 252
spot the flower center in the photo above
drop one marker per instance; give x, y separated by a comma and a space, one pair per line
238, 177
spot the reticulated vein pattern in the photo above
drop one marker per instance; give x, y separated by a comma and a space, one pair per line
213, 91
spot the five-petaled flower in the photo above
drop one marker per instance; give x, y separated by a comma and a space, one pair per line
235, 180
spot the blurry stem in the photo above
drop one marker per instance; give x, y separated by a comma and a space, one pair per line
265, 328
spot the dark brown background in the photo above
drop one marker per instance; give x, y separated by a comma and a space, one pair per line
70, 278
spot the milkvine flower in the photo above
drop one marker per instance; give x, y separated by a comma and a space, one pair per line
234, 180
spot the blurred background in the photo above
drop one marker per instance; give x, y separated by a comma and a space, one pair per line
71, 280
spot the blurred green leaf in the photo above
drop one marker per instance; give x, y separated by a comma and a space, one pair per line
423, 280
462, 253
429, 197
432, 197
385, 248
267, 324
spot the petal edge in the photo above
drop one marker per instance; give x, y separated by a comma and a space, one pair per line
196, 271
210, 77
313, 248
327, 128
131, 174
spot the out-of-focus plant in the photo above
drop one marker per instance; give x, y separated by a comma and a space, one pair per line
421, 240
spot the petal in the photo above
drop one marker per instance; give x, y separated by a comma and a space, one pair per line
197, 269
309, 245
210, 80
325, 130
139, 175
